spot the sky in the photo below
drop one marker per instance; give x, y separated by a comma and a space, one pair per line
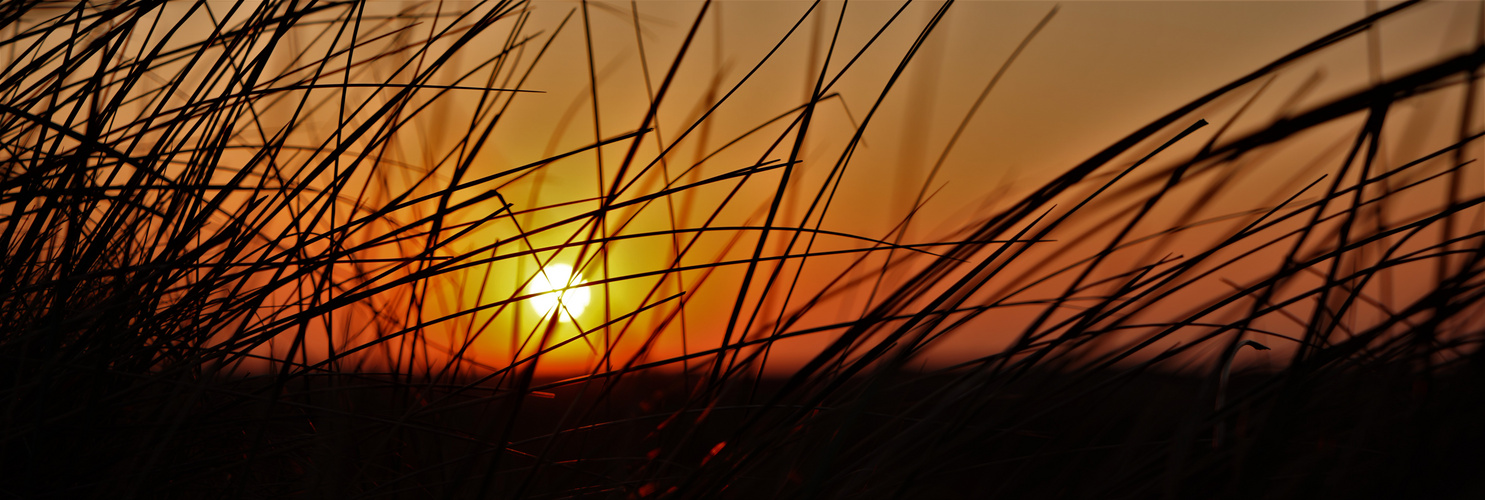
929, 141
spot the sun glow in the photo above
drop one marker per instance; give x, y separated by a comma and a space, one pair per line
554, 277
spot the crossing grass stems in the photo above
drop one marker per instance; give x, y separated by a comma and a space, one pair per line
266, 249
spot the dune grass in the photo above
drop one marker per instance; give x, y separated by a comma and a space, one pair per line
281, 248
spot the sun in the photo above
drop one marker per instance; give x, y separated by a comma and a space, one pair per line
554, 277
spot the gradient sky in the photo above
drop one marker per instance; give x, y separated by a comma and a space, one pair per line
1098, 71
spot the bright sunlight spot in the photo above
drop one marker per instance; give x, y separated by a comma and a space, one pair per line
554, 277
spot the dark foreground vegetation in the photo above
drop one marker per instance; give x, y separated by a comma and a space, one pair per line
247, 249
1110, 435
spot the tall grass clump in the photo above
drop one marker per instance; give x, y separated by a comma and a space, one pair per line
292, 249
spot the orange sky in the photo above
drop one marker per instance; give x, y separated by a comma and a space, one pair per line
1099, 70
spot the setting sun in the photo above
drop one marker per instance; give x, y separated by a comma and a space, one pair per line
547, 280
